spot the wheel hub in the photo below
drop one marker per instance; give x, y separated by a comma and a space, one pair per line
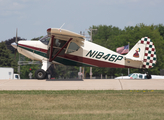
40, 74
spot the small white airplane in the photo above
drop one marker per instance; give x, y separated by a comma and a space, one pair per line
64, 47
140, 76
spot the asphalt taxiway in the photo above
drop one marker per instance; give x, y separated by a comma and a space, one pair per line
86, 84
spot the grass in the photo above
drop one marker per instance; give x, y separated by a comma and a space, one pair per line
82, 105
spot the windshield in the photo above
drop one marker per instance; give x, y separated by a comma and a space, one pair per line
134, 76
16, 76
129, 75
45, 40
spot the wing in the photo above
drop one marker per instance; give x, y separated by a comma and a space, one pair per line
64, 34
65, 38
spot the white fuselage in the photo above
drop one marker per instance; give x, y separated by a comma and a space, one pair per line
89, 54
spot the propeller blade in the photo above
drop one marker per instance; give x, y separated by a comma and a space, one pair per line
15, 53
16, 39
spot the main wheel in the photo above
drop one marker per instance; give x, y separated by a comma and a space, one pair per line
40, 74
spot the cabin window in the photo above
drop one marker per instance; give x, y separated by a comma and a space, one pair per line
72, 47
57, 45
140, 76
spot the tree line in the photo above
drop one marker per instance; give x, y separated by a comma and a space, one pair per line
110, 37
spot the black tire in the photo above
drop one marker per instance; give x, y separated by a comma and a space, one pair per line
148, 76
40, 74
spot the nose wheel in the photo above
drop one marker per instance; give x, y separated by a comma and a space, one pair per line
40, 74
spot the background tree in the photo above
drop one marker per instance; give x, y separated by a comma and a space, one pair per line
5, 58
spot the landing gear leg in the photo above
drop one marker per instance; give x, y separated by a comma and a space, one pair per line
41, 73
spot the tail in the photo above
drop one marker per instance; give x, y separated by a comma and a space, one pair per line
142, 55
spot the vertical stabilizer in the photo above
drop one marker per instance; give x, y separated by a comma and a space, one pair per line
143, 51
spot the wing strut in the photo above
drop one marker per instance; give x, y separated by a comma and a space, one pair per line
51, 49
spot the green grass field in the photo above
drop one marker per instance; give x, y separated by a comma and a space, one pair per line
82, 105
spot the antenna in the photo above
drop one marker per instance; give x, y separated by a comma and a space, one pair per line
61, 27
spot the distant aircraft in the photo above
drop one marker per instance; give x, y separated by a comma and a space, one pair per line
140, 76
64, 47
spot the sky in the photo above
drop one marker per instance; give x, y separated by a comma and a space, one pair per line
34, 17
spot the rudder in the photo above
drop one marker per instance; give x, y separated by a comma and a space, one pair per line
144, 51
150, 57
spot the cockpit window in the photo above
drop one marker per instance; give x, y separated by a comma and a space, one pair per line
129, 75
45, 40
72, 47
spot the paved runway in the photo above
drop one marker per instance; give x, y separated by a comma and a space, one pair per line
86, 84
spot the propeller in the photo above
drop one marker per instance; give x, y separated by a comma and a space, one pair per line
16, 42
16, 39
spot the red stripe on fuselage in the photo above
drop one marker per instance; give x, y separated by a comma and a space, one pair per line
34, 48
92, 61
